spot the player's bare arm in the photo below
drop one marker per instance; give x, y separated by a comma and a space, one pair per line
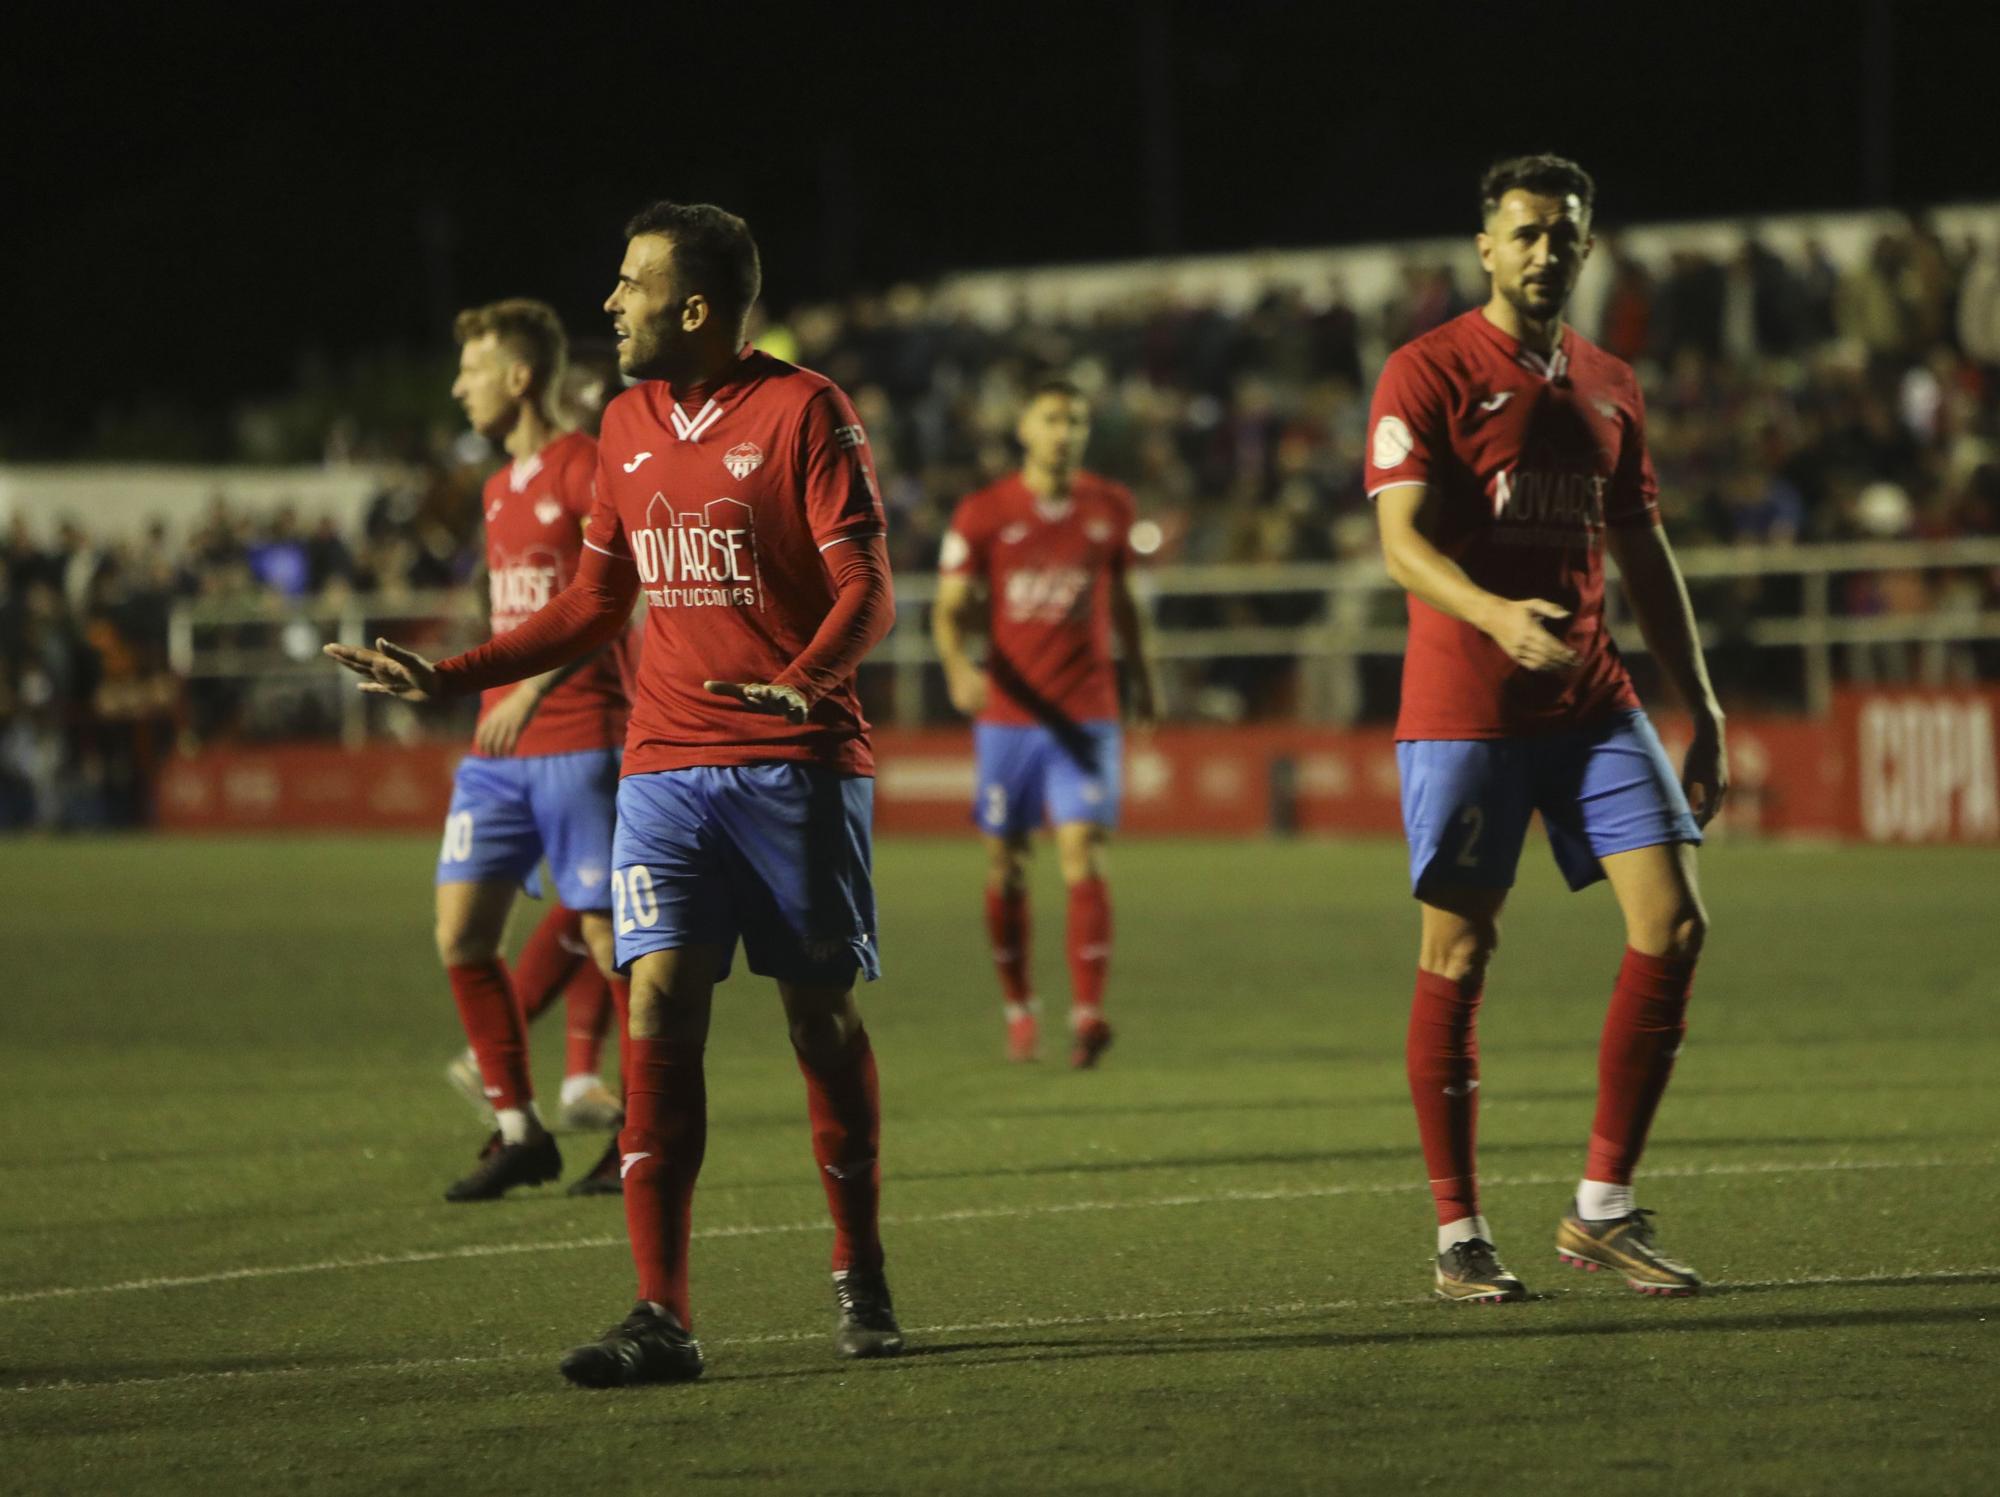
502, 728
389, 670
958, 613
1517, 625
1659, 599
1128, 622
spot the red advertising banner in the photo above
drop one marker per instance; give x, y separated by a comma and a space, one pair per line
1924, 765
1894, 766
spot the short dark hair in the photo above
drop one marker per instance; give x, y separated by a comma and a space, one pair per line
1555, 176
1054, 384
530, 330
713, 252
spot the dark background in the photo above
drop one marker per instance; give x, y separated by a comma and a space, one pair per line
200, 200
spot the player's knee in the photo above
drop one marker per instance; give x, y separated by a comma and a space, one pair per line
603, 945
458, 946
657, 1013
1689, 931
821, 1040
1463, 952
1007, 869
1080, 854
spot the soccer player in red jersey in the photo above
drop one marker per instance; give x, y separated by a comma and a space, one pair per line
1039, 560
542, 776
736, 497
1505, 455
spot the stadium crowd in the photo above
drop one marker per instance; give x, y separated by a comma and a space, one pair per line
1789, 399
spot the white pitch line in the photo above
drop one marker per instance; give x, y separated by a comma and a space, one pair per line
1290, 1308
966, 1214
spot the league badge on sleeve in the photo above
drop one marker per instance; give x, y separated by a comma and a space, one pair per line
1393, 442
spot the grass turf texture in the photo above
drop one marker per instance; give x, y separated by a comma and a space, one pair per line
1204, 1265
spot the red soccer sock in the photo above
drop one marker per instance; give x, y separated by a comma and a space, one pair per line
1007, 927
548, 959
1089, 942
588, 998
1642, 1034
845, 1102
499, 1035
665, 1135
621, 1024
1442, 1056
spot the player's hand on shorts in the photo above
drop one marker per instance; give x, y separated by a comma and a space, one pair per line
779, 701
1705, 772
502, 728
967, 689
391, 670
1519, 626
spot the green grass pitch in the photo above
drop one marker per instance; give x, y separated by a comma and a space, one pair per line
225, 1266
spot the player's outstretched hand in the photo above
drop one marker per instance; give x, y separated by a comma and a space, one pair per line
391, 670
1517, 626
1705, 773
761, 696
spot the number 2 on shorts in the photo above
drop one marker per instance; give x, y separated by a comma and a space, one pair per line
1473, 819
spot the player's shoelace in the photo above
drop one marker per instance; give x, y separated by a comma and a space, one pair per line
1476, 1258
866, 1302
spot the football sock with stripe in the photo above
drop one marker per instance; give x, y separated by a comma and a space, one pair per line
844, 1099
1643, 1030
661, 1148
1008, 929
1441, 1053
1089, 942
496, 1030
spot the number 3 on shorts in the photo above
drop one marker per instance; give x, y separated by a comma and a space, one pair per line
633, 902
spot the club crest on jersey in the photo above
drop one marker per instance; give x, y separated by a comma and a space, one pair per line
743, 459
548, 511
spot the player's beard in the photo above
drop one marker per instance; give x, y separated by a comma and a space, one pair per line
644, 355
1546, 307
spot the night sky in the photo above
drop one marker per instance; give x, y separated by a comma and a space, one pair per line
197, 197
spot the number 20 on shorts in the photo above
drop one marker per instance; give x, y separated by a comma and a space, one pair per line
632, 899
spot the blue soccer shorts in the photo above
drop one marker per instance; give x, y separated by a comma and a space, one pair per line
508, 814
778, 855
1602, 789
1027, 775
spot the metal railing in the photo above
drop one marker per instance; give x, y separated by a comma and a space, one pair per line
1339, 615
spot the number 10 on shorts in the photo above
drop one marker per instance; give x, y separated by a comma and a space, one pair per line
633, 902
